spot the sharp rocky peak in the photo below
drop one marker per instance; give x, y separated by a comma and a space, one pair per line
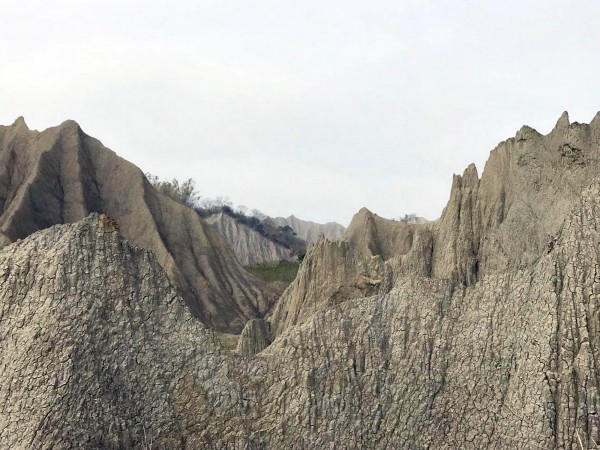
563, 121
20, 122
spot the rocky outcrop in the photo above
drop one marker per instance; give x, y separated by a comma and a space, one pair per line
508, 218
99, 351
254, 338
330, 274
371, 235
361, 265
310, 231
504, 221
250, 247
507, 363
61, 175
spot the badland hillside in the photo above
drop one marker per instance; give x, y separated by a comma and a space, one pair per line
477, 330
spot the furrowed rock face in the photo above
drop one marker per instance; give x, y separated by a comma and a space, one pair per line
507, 219
250, 247
504, 221
61, 175
329, 274
510, 362
374, 251
97, 348
98, 351
254, 337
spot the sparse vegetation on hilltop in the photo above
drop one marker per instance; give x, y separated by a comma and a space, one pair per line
186, 194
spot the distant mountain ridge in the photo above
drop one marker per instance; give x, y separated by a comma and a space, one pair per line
250, 247
251, 235
254, 244
310, 231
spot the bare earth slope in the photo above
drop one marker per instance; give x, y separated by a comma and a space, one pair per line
98, 351
374, 251
504, 221
61, 175
250, 247
508, 363
402, 346
507, 218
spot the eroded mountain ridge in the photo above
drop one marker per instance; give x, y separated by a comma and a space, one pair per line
61, 175
479, 330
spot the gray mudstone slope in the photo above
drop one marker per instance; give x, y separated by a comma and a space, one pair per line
250, 247
99, 351
504, 221
510, 362
407, 347
61, 175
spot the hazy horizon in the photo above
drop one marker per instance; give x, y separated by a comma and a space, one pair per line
309, 109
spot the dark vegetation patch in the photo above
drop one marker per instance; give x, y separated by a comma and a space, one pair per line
572, 155
285, 271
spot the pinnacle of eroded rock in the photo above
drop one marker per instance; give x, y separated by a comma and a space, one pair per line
563, 122
19, 122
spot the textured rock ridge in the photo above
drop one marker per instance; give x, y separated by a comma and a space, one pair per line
310, 231
373, 253
369, 234
507, 363
96, 346
399, 347
254, 338
329, 274
98, 351
504, 221
250, 247
61, 175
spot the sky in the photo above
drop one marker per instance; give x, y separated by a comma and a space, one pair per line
311, 108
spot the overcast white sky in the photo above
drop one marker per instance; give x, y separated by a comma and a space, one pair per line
315, 108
